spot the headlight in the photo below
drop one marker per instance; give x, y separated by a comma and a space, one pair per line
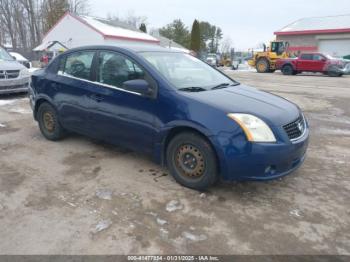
254, 128
24, 73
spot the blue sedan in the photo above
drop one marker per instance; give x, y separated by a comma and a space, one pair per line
189, 116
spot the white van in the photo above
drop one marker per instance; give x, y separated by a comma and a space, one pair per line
14, 77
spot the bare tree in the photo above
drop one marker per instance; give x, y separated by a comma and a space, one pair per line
6, 18
225, 46
81, 7
24, 22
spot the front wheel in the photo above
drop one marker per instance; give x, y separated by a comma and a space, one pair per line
48, 122
263, 65
334, 72
192, 161
287, 70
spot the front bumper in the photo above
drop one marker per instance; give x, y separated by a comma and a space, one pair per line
17, 85
262, 161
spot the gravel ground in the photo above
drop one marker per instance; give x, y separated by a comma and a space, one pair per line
79, 196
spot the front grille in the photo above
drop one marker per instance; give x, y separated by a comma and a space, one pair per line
9, 74
296, 128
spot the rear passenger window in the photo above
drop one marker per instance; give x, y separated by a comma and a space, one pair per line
307, 56
78, 64
114, 69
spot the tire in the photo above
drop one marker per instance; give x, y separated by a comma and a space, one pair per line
287, 70
332, 72
262, 65
192, 161
48, 122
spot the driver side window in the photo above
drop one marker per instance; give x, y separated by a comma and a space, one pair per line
79, 64
114, 69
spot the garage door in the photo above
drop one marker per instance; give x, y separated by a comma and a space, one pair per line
335, 47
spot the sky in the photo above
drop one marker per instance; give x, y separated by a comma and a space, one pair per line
246, 22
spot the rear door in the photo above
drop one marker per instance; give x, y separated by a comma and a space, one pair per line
72, 86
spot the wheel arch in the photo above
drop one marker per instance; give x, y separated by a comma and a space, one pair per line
174, 131
39, 102
288, 64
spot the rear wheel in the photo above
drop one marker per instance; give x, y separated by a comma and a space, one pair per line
48, 122
263, 65
287, 70
192, 161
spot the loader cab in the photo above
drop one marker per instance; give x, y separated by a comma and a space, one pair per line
279, 47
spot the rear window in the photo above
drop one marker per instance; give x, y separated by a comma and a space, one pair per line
4, 55
77, 64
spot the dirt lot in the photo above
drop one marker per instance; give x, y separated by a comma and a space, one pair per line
79, 196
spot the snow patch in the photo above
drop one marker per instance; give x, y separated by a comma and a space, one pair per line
6, 102
21, 111
161, 221
295, 213
193, 237
174, 205
2, 125
105, 194
102, 225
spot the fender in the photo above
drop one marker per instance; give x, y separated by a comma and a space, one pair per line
289, 63
160, 140
37, 101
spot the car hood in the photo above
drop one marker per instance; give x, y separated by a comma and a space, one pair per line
272, 109
10, 65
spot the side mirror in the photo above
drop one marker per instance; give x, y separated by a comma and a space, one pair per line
14, 57
140, 86
324, 60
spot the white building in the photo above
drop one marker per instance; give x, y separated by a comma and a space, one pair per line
74, 31
330, 34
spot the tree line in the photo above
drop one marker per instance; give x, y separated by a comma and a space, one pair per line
203, 37
23, 23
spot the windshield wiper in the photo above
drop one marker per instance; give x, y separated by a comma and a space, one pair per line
192, 89
219, 86
224, 85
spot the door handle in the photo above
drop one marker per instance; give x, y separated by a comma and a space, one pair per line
96, 97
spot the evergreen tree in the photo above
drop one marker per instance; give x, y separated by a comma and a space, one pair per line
143, 28
176, 31
195, 37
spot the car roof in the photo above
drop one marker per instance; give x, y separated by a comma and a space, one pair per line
131, 48
311, 53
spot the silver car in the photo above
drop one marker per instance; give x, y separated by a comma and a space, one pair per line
14, 77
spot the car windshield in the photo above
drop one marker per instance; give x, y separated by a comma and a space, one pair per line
186, 72
330, 57
4, 55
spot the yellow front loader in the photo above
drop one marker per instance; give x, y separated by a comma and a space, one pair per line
265, 62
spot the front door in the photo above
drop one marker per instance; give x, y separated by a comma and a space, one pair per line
120, 116
319, 63
305, 62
